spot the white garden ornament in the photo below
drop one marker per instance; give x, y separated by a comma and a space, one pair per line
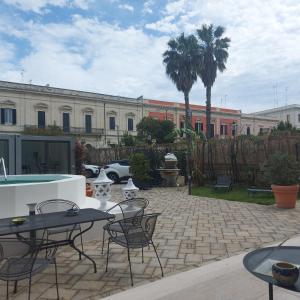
102, 186
130, 190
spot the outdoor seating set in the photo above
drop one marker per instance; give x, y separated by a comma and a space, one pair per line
29, 246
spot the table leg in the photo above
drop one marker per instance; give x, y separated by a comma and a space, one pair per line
270, 291
72, 244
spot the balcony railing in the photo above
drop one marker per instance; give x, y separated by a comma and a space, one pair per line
68, 131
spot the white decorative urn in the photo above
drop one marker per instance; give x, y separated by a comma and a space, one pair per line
102, 185
130, 190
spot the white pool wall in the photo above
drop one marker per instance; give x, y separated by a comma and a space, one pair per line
14, 197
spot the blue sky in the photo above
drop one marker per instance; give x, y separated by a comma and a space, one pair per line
115, 47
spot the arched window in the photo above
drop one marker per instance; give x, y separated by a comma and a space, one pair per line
248, 130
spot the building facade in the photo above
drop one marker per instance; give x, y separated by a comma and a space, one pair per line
288, 113
103, 119
254, 124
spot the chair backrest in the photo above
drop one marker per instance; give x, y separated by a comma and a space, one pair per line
55, 205
224, 180
140, 226
19, 255
131, 208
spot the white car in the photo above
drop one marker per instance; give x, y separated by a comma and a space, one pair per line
118, 170
91, 170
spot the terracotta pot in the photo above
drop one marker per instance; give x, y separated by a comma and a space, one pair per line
285, 195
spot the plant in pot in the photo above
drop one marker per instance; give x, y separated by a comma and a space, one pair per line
283, 172
140, 169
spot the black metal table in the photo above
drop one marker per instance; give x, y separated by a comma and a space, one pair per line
54, 220
259, 263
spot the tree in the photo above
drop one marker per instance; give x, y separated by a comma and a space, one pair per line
182, 61
214, 56
161, 131
128, 140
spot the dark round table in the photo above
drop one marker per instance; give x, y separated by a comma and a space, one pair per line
258, 263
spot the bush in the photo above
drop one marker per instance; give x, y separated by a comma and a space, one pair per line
128, 140
140, 169
79, 157
282, 169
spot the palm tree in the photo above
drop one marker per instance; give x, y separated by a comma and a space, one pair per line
214, 56
182, 61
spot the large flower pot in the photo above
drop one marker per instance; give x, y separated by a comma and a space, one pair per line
285, 195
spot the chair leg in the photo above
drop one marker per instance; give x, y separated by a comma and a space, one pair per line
81, 243
16, 287
7, 286
107, 254
131, 277
29, 290
56, 281
142, 255
162, 273
103, 238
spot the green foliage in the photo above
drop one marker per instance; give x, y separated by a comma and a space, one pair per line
282, 169
162, 131
238, 194
128, 140
283, 127
79, 156
140, 167
50, 130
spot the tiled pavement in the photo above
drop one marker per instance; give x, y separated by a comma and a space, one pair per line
190, 232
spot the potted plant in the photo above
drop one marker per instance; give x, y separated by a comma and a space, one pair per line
283, 172
140, 169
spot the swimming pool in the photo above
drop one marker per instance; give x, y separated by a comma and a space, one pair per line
23, 179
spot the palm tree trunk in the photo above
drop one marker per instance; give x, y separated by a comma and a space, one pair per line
208, 112
188, 141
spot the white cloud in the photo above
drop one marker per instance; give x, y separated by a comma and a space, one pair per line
39, 6
126, 7
88, 54
147, 8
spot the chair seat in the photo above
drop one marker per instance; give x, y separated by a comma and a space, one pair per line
117, 227
63, 229
18, 269
133, 240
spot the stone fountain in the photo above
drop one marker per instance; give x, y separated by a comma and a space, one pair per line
170, 172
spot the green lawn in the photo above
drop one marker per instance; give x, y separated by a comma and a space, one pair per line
239, 194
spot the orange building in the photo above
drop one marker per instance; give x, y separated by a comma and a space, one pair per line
224, 122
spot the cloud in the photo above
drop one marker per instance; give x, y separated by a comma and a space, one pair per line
126, 7
147, 8
39, 6
90, 54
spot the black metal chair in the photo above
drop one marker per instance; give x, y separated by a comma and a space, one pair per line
223, 182
129, 208
56, 205
136, 233
23, 258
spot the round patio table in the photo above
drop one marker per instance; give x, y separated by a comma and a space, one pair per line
260, 261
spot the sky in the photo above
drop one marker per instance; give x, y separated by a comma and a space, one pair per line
115, 47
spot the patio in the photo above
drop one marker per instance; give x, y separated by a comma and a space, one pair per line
191, 231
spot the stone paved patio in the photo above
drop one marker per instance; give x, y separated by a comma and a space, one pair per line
191, 231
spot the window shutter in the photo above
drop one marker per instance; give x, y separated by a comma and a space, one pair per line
2, 116
14, 116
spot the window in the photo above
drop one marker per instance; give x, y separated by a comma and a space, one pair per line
182, 125
198, 127
130, 124
66, 122
8, 116
112, 123
298, 118
288, 118
223, 129
212, 130
88, 124
41, 119
248, 130
234, 129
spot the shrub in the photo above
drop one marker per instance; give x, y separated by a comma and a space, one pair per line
282, 169
79, 157
139, 167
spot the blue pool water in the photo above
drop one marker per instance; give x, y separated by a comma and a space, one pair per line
23, 179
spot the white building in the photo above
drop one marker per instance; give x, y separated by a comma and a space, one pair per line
288, 113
